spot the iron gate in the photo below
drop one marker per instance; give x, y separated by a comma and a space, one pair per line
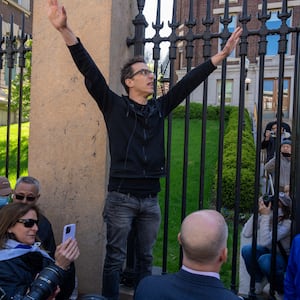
13, 50
208, 36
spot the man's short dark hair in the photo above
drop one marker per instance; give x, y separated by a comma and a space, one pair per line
126, 71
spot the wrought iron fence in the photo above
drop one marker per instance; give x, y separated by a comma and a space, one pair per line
192, 30
12, 58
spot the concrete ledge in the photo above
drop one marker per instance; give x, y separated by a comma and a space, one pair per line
126, 293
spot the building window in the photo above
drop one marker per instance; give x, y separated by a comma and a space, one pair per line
228, 91
231, 28
270, 95
24, 3
230, 1
274, 23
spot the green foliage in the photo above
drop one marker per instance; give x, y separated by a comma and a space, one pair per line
26, 87
230, 164
195, 110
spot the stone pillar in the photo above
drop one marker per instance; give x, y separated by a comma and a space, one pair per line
68, 149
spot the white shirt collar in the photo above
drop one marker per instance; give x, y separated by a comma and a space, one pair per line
212, 274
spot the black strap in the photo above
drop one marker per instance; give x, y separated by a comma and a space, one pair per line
283, 252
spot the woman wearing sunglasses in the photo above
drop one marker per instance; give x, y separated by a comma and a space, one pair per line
21, 259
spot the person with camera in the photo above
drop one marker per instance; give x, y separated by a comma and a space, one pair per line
27, 271
285, 164
262, 266
269, 141
285, 126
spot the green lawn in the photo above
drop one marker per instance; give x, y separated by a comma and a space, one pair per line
192, 182
13, 151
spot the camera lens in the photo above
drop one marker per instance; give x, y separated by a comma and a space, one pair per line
266, 197
45, 284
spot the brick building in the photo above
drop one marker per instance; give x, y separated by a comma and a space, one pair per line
254, 8
16, 8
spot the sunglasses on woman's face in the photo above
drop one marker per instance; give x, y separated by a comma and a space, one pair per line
28, 223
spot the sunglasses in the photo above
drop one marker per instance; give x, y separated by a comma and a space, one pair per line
28, 198
144, 72
28, 223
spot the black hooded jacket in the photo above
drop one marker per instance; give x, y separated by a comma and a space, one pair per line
136, 132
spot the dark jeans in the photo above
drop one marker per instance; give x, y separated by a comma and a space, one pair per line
119, 213
262, 266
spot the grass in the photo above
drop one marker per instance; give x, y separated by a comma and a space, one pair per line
192, 196
13, 142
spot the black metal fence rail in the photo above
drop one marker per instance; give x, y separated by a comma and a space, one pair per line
12, 57
207, 36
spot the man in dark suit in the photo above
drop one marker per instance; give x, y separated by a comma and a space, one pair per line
203, 238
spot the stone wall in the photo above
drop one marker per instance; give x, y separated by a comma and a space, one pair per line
68, 150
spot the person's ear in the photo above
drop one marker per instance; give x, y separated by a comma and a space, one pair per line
129, 82
179, 238
224, 255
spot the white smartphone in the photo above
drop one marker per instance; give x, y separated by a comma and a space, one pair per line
69, 232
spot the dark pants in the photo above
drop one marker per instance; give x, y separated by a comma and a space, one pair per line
262, 266
120, 212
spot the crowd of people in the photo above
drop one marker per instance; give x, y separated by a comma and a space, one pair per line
28, 248
25, 258
135, 126
258, 261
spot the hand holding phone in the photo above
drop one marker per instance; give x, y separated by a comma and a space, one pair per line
69, 232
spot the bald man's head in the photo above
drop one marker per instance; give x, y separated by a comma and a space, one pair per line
203, 236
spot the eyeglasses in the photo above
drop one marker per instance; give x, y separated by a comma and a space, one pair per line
144, 72
28, 223
22, 197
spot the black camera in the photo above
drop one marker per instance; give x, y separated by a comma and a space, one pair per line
267, 199
45, 284
273, 134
